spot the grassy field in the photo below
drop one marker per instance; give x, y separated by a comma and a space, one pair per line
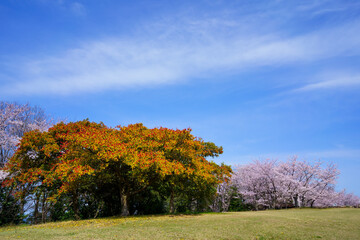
274, 224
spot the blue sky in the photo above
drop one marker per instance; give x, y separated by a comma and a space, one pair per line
263, 79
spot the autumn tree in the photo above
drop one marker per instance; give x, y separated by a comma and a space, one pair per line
190, 174
45, 165
15, 121
136, 157
129, 159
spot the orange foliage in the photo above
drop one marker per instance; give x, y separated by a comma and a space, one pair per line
67, 153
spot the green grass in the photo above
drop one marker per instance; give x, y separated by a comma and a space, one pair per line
341, 223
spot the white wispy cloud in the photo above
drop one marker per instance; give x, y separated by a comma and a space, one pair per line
333, 80
174, 52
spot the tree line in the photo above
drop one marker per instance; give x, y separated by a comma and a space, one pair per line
84, 169
271, 184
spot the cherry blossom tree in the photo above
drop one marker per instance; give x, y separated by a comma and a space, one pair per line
307, 183
15, 120
226, 191
347, 199
294, 183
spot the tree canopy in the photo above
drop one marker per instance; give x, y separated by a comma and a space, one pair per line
81, 158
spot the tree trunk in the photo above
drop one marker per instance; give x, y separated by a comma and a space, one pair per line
301, 201
124, 203
274, 203
75, 205
36, 209
44, 209
171, 203
296, 201
100, 206
22, 205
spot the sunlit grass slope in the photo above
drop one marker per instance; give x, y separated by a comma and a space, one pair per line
275, 224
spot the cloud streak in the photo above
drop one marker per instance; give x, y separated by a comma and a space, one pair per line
177, 54
344, 81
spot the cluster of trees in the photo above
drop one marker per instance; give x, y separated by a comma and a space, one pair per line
15, 120
86, 169
272, 184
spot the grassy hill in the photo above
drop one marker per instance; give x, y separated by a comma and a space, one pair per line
341, 223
